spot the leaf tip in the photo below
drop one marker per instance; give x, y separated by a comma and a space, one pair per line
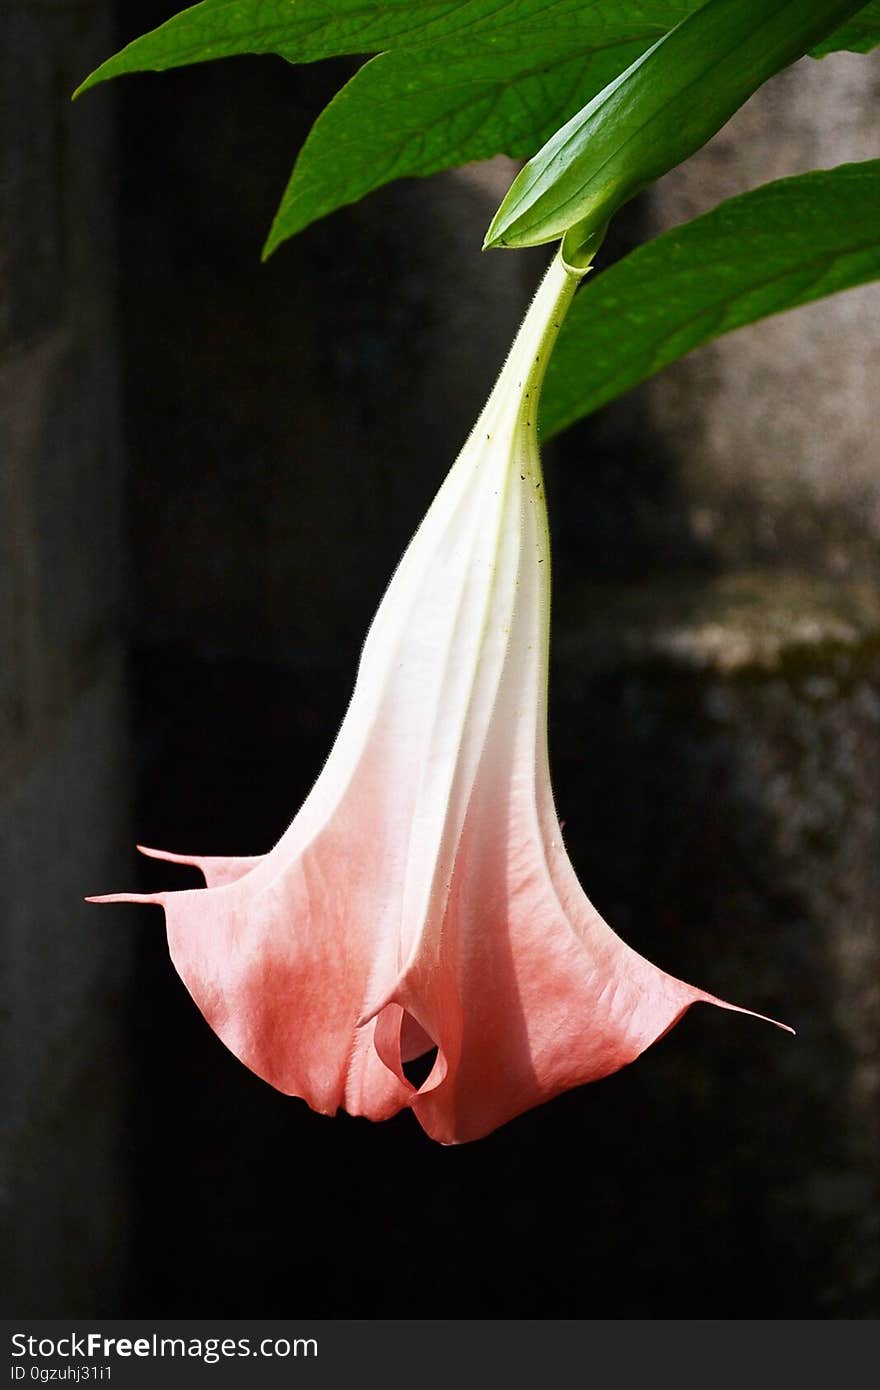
494, 237
98, 75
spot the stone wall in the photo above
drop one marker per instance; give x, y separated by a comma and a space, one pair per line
64, 764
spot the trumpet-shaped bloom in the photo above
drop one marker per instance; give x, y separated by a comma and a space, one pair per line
422, 897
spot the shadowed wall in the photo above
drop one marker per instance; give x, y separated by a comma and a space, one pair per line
65, 763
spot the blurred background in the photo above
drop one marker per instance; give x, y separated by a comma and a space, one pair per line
209, 470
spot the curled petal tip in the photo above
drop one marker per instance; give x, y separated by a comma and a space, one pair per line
126, 898
375, 1006
215, 869
786, 1027
163, 854
750, 1013
765, 1018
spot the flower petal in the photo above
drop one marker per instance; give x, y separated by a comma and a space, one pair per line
422, 896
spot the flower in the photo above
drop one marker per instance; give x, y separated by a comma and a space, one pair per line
422, 897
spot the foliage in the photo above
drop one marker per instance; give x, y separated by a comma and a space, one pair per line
460, 80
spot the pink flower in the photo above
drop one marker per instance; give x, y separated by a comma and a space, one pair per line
422, 897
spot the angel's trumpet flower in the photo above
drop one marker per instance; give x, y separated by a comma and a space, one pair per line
422, 898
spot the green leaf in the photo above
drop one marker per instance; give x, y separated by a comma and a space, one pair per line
303, 31
860, 34
782, 245
657, 113
406, 114
465, 79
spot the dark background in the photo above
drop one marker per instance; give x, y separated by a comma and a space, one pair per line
210, 470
